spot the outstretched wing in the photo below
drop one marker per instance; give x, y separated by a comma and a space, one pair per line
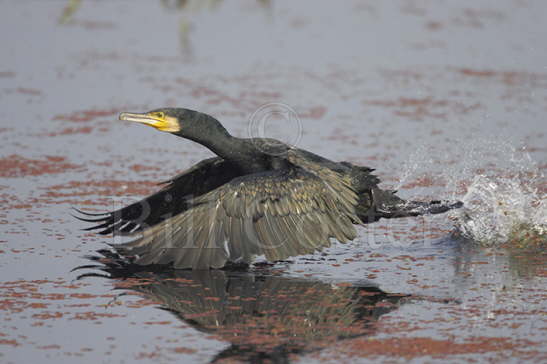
279, 213
171, 200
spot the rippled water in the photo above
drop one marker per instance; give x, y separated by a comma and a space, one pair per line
439, 97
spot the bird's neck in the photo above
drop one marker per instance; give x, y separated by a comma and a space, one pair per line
239, 151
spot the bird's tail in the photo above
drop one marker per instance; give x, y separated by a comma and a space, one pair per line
386, 204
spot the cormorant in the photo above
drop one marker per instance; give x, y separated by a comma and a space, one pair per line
259, 196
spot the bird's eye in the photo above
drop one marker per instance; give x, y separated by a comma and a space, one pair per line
160, 115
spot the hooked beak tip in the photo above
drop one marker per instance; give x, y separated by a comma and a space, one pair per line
135, 117
123, 116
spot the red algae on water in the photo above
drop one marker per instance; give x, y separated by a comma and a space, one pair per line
423, 181
28, 91
13, 343
70, 131
142, 168
316, 112
87, 115
102, 188
410, 348
183, 350
18, 166
7, 74
509, 78
427, 107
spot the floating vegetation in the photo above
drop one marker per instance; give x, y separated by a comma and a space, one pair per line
69, 10
188, 9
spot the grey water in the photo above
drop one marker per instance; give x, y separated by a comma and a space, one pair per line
445, 100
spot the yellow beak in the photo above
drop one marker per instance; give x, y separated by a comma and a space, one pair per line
157, 120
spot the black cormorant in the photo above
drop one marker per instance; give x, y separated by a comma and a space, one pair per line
259, 196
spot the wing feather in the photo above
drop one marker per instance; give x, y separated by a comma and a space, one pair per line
171, 200
279, 213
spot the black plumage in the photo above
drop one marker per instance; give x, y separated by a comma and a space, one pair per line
258, 197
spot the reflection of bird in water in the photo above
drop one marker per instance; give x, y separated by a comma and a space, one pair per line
264, 317
258, 197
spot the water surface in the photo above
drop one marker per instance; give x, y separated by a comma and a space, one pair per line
416, 89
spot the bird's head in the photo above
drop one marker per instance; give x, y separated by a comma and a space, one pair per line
182, 122
166, 119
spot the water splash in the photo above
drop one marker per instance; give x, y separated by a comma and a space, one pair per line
502, 188
418, 161
504, 203
502, 210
